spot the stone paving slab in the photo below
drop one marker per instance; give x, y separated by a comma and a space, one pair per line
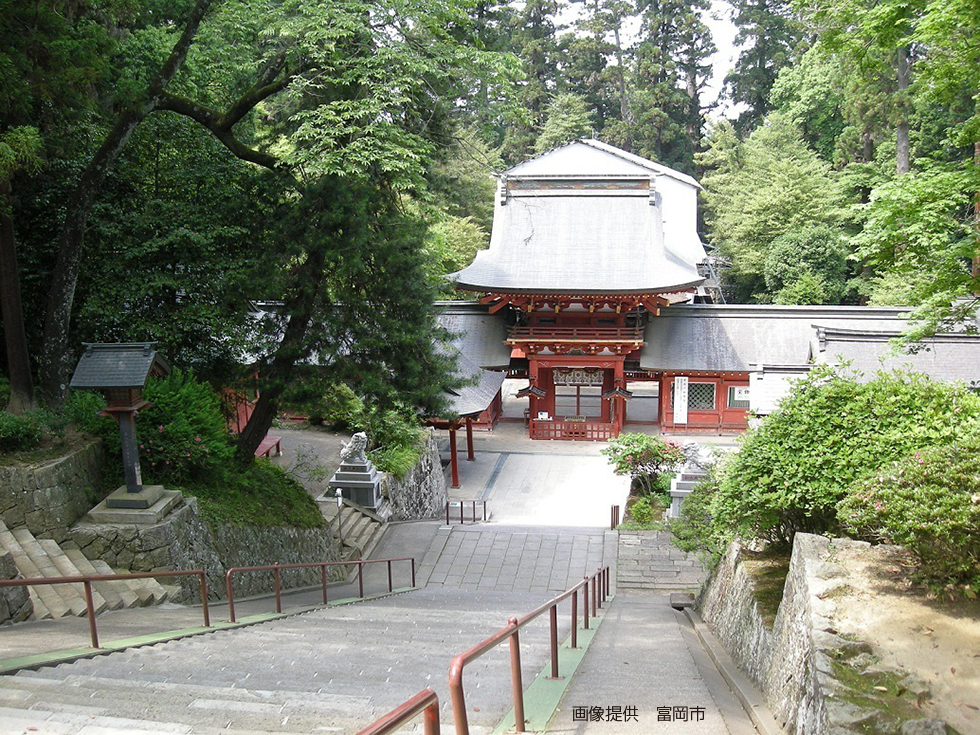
644, 657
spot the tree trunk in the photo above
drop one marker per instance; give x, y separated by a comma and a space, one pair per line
55, 363
976, 224
624, 110
902, 147
18, 358
292, 348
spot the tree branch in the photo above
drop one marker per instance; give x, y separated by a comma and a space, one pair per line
215, 122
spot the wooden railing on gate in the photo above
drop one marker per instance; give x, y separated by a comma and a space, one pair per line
574, 430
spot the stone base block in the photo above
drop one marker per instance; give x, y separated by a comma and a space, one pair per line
105, 513
147, 497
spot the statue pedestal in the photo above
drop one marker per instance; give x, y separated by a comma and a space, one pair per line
127, 508
359, 482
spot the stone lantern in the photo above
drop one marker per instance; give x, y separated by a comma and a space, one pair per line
120, 371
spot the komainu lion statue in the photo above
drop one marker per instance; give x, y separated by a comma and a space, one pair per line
354, 451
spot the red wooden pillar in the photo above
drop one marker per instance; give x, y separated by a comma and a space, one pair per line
453, 460
470, 456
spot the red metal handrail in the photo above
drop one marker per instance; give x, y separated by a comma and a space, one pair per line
87, 579
472, 506
274, 568
600, 590
426, 701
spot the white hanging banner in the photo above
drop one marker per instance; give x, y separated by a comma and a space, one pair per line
680, 400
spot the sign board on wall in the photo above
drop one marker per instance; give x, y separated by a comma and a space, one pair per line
680, 400
741, 393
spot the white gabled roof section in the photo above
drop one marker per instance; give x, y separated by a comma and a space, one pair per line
589, 218
588, 157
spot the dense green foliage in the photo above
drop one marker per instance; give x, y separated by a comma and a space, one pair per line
807, 266
829, 433
648, 460
929, 502
20, 432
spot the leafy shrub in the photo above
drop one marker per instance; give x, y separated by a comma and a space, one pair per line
928, 502
21, 432
396, 460
646, 459
828, 433
339, 408
644, 510
182, 435
695, 530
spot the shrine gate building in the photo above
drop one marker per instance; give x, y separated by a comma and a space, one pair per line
588, 292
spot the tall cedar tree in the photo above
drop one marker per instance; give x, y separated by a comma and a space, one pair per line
768, 34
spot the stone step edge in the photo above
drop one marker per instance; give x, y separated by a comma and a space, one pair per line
53, 658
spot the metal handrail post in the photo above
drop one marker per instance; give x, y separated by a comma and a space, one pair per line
599, 586
323, 579
360, 578
484, 511
389, 575
517, 682
575, 620
231, 596
275, 575
585, 605
553, 614
594, 585
461, 521
204, 601
447, 512
90, 609
413, 571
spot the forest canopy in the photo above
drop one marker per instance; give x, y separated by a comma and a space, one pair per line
162, 162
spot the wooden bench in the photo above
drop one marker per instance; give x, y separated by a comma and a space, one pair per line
270, 447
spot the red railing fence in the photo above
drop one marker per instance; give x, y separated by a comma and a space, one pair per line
462, 504
594, 589
425, 701
87, 579
277, 568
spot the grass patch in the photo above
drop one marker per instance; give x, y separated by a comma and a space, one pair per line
768, 570
259, 495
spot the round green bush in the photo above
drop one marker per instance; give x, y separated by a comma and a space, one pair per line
830, 432
928, 502
182, 435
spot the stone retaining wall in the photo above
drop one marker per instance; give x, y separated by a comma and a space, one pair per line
48, 498
184, 541
422, 493
15, 602
798, 661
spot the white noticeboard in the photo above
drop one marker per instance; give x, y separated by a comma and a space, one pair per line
680, 400
741, 393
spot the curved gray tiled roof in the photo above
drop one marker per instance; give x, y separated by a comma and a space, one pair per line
554, 239
731, 338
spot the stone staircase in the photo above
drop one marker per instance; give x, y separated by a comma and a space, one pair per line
37, 558
362, 528
330, 670
648, 561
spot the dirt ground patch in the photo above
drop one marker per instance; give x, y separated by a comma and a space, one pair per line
937, 640
311, 455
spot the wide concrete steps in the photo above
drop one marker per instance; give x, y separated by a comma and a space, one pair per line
333, 670
648, 561
40, 558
